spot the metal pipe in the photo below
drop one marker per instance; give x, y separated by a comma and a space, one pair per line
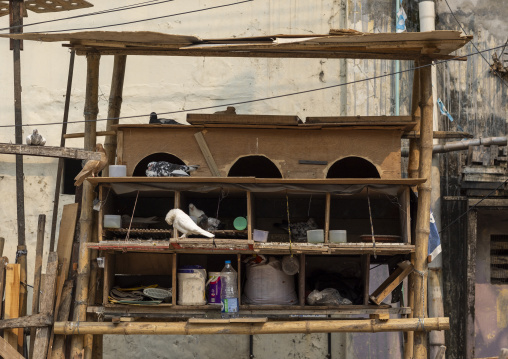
464, 145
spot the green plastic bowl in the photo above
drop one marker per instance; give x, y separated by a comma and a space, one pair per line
240, 223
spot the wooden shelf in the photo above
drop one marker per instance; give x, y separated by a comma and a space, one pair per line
242, 245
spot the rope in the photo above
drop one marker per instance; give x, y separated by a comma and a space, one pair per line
371, 225
289, 226
134, 209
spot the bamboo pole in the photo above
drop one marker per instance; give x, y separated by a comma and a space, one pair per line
92, 291
37, 275
59, 170
115, 104
423, 215
413, 164
305, 326
86, 218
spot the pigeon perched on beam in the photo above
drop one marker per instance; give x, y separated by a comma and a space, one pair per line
162, 121
35, 139
167, 169
184, 224
92, 167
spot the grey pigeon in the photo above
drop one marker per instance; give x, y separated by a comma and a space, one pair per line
167, 169
163, 121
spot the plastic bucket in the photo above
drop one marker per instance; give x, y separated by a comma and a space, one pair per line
338, 236
191, 285
315, 236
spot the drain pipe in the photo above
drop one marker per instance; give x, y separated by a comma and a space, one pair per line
427, 11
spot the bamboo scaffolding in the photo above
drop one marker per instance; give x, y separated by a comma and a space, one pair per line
115, 104
423, 215
86, 219
306, 326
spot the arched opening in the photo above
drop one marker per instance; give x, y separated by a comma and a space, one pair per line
140, 170
353, 167
254, 166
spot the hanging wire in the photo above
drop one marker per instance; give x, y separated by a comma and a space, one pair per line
371, 224
133, 210
289, 226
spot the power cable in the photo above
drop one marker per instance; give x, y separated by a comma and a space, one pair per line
472, 43
107, 11
142, 20
264, 98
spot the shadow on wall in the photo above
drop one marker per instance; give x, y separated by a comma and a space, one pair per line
140, 169
353, 167
254, 166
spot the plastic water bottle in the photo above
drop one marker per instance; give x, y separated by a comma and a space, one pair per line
229, 292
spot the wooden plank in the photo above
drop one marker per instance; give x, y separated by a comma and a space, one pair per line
441, 353
358, 119
391, 282
199, 119
66, 235
48, 151
3, 264
12, 301
301, 281
2, 243
174, 282
58, 348
39, 252
21, 249
82, 134
200, 139
239, 277
250, 218
35, 320
438, 134
119, 148
7, 351
48, 281
487, 202
109, 275
327, 217
231, 320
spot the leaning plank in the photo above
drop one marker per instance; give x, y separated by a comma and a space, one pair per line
48, 151
36, 320
3, 264
47, 301
391, 282
7, 351
200, 119
200, 139
12, 301
58, 349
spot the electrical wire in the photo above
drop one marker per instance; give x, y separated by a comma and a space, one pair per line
472, 43
142, 20
264, 98
107, 11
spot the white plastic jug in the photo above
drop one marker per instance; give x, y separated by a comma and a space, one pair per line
191, 285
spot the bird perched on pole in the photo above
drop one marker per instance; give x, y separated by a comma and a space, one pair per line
92, 167
184, 224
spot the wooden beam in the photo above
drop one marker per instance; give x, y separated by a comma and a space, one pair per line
39, 252
438, 134
423, 215
58, 347
36, 320
21, 254
12, 301
7, 351
305, 326
47, 306
388, 286
82, 134
200, 139
48, 151
115, 105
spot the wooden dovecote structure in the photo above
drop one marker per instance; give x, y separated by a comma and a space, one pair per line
423, 48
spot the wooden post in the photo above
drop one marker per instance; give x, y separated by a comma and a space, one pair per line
115, 104
472, 227
12, 302
58, 350
2, 243
327, 217
92, 291
413, 165
48, 282
39, 251
423, 215
7, 351
3, 264
86, 218
59, 170
21, 250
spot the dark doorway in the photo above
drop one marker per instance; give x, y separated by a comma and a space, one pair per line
254, 166
353, 167
140, 170
71, 168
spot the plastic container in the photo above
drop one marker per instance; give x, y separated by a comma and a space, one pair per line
229, 291
338, 236
260, 236
112, 221
240, 223
191, 285
316, 236
117, 171
213, 288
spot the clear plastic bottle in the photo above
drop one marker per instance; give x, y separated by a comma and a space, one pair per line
229, 292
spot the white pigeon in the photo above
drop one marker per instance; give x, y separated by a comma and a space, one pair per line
35, 139
184, 224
